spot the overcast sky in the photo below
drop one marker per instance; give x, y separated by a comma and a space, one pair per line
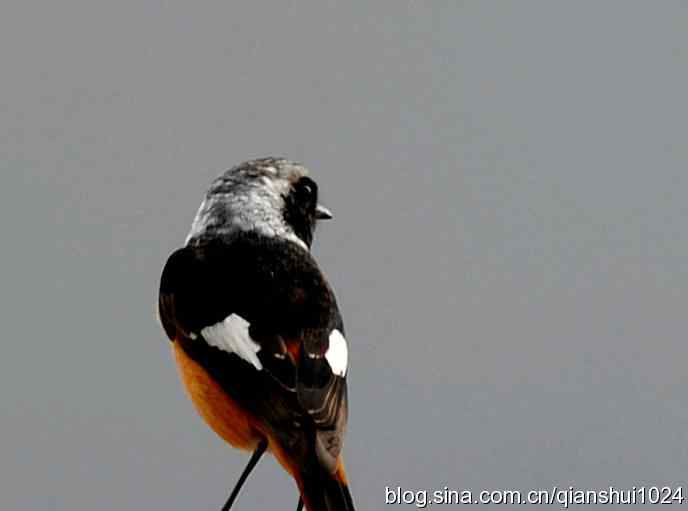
509, 181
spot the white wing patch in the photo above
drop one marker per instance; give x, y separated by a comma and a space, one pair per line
231, 335
337, 354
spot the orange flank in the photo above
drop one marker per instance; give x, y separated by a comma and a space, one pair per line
229, 421
220, 411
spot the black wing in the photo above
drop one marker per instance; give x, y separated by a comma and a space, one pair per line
278, 289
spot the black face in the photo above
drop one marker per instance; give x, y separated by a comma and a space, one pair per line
299, 208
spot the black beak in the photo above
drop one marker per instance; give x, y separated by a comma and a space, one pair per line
322, 213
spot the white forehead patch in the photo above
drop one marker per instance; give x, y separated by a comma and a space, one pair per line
337, 354
231, 335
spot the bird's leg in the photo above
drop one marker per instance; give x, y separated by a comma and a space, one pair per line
260, 449
299, 506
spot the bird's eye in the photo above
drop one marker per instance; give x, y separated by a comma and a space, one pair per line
307, 189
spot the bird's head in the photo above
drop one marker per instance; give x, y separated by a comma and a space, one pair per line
272, 196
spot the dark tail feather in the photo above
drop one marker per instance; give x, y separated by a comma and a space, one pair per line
322, 491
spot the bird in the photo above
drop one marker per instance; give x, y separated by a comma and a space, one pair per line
255, 328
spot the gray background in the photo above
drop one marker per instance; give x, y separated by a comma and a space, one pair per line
509, 250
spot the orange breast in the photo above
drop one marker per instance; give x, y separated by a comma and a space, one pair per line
220, 411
